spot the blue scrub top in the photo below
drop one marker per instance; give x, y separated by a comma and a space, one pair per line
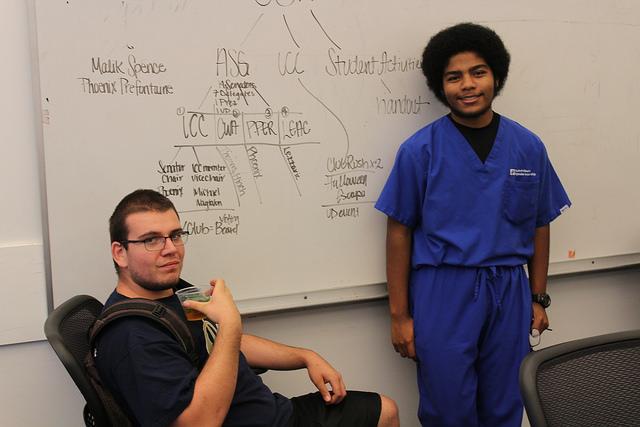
468, 213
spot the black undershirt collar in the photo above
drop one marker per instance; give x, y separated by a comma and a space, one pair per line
480, 139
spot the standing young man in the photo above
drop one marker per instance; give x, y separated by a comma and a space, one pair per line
469, 202
153, 378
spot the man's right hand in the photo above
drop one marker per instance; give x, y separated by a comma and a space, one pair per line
402, 336
220, 308
216, 382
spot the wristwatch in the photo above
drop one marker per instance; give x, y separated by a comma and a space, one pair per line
543, 299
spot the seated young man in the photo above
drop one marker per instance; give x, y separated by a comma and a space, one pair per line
153, 378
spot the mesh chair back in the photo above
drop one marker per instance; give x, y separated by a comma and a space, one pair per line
67, 330
590, 382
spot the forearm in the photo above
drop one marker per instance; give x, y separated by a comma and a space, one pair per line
398, 267
264, 353
216, 382
538, 264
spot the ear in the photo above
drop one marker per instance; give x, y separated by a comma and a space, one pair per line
119, 254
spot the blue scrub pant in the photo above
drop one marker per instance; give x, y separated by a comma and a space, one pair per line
471, 330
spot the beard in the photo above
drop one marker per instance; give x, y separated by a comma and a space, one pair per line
153, 286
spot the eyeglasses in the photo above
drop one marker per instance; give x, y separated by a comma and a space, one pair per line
157, 243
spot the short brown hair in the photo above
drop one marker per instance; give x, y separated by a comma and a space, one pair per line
141, 200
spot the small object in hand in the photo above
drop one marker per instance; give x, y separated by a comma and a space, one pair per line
195, 294
534, 338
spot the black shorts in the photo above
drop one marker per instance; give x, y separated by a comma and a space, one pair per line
357, 409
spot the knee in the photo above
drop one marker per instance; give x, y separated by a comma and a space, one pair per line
389, 414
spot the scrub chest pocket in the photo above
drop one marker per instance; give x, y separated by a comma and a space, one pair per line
520, 200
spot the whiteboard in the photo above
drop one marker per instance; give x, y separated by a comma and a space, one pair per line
273, 124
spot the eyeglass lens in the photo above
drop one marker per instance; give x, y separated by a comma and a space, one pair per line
158, 243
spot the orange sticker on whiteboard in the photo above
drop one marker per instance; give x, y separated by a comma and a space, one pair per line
571, 253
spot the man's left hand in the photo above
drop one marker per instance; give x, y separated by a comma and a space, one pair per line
540, 320
322, 373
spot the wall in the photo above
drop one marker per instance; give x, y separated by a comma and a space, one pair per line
37, 391
352, 337
21, 255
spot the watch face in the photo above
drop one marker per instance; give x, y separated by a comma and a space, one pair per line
542, 299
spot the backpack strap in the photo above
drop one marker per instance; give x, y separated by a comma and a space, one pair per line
154, 310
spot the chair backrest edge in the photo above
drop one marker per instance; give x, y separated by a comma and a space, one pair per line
531, 364
55, 339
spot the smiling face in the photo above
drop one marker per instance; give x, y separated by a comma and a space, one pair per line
469, 88
149, 274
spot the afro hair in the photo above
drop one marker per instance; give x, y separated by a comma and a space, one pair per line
464, 37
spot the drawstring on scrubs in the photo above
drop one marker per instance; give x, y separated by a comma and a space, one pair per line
487, 276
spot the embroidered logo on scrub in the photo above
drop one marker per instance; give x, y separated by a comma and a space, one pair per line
521, 172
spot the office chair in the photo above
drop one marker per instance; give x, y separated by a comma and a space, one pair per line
589, 382
67, 330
